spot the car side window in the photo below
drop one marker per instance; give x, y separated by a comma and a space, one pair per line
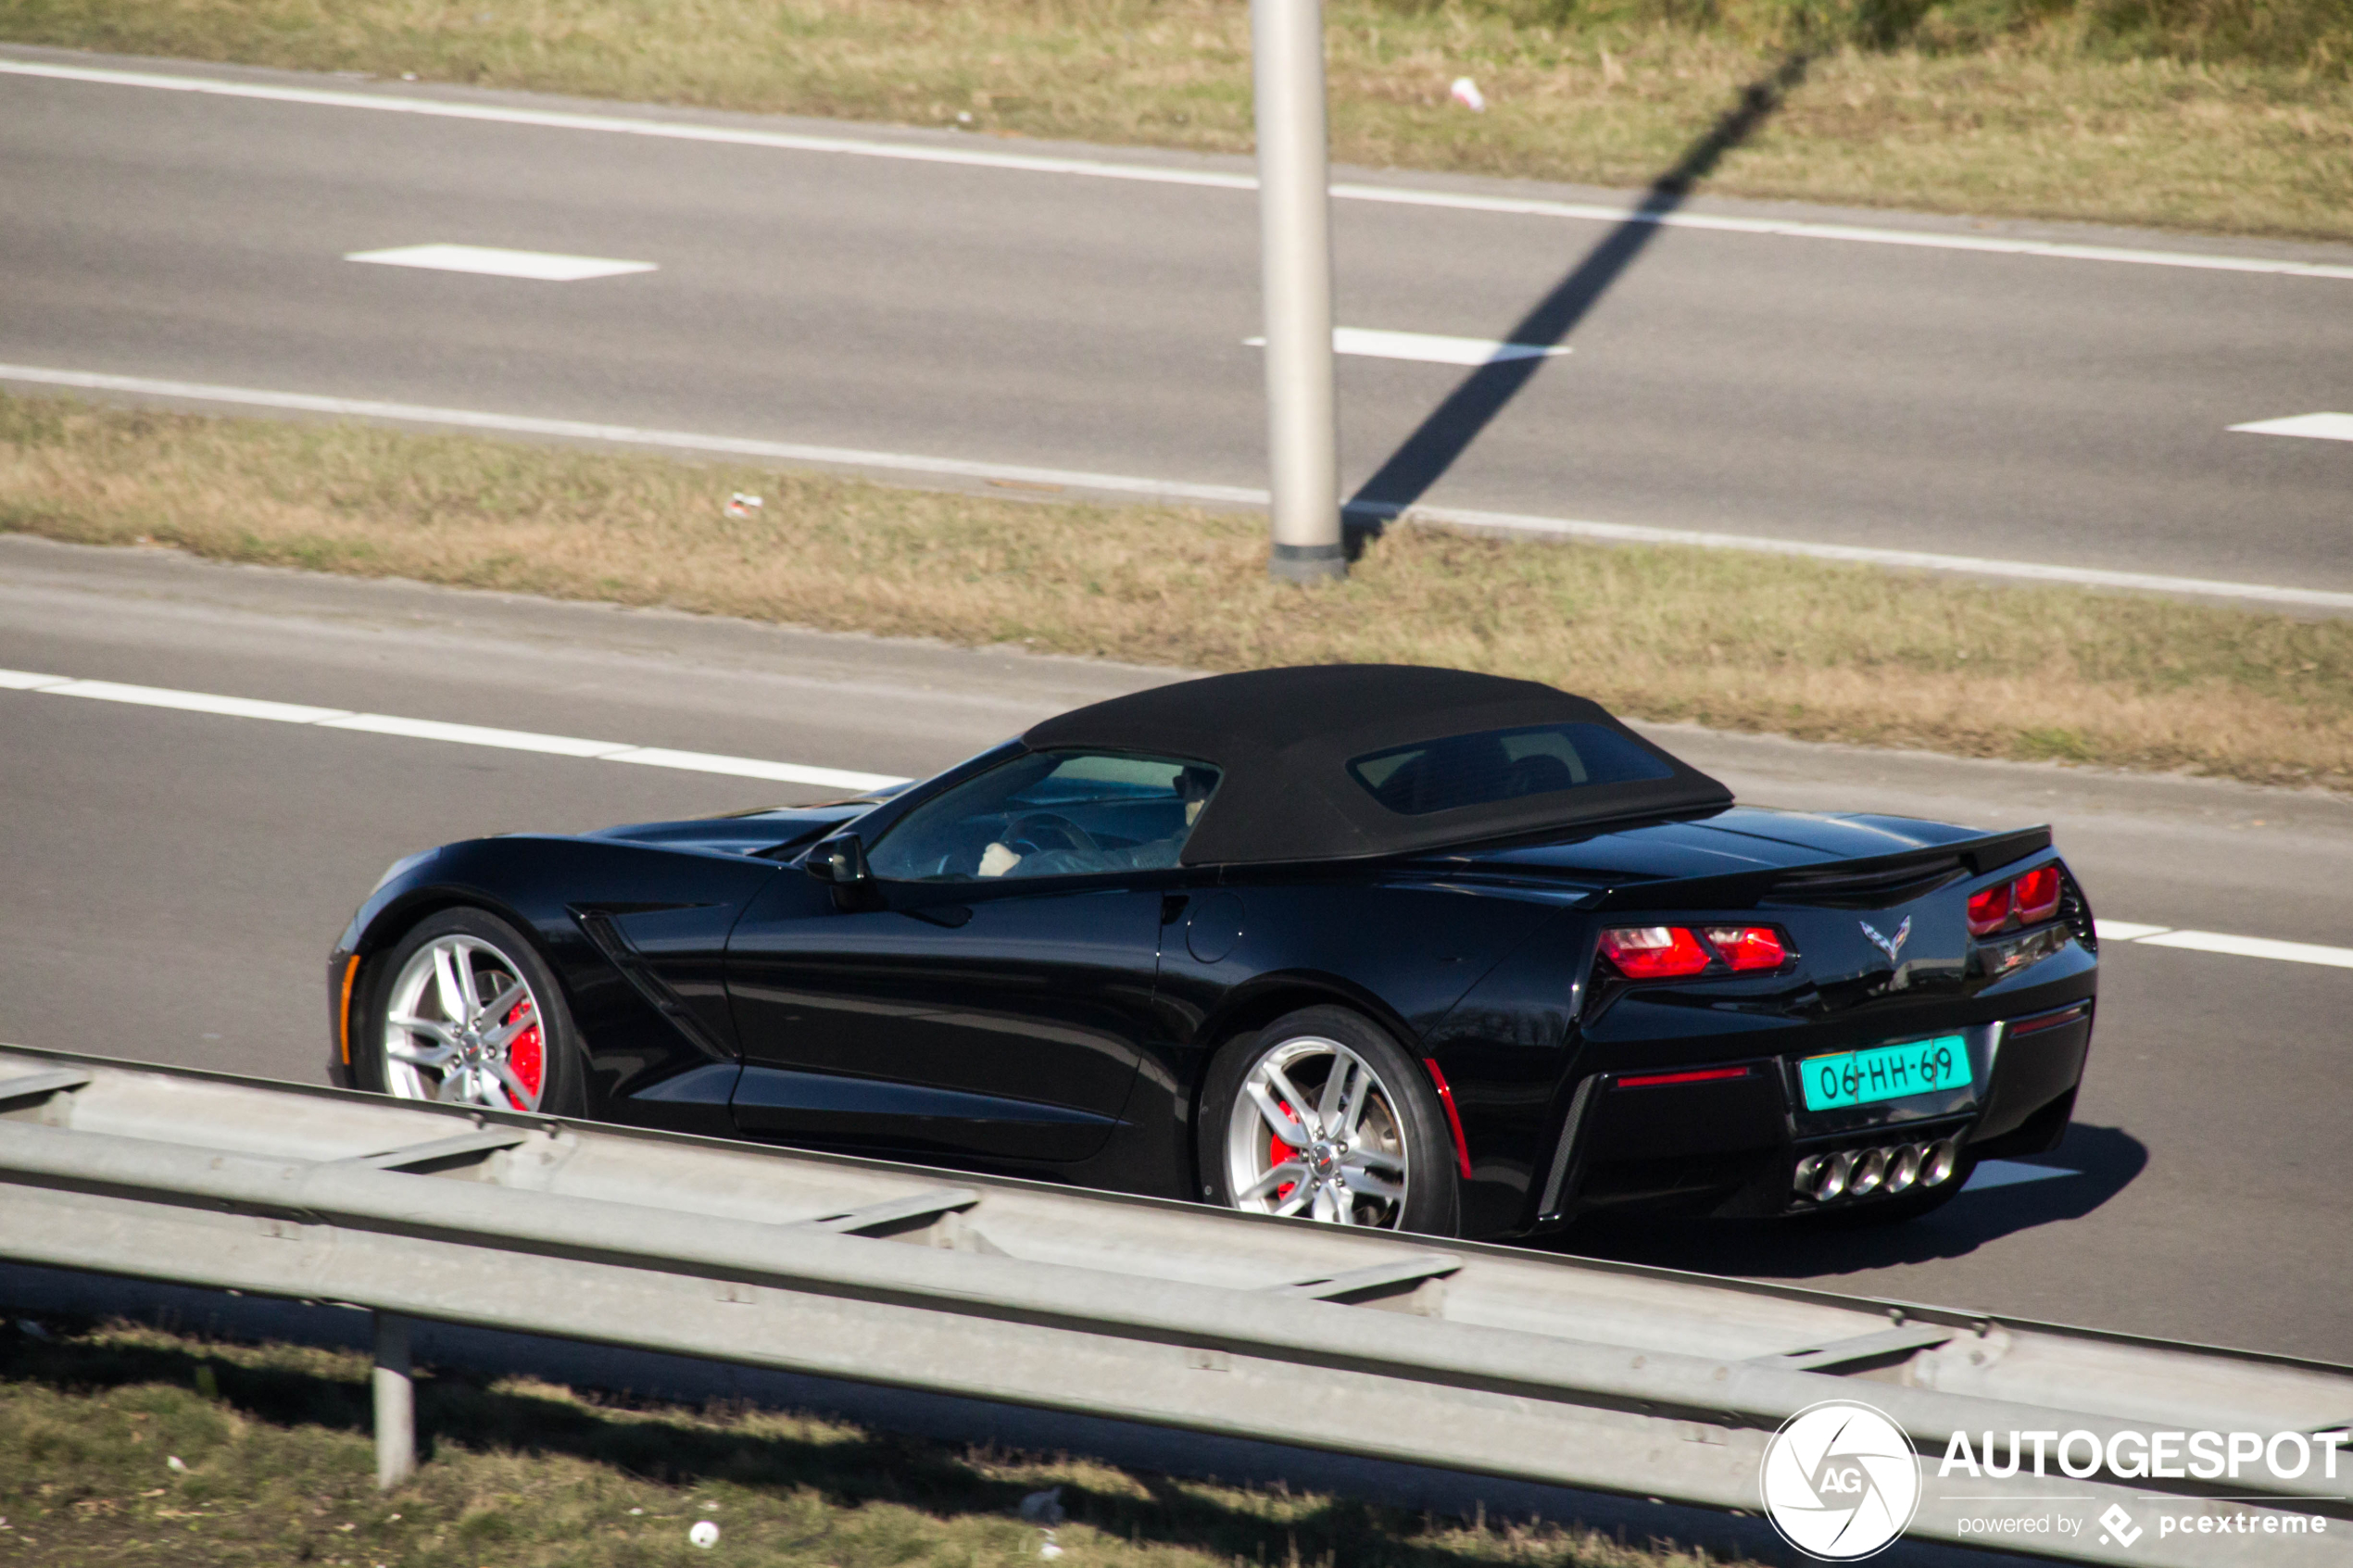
1049, 814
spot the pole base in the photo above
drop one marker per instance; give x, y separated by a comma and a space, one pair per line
1306, 563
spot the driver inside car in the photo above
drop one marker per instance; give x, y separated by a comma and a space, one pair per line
1193, 787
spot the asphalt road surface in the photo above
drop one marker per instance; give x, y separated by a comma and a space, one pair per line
175, 879
2064, 411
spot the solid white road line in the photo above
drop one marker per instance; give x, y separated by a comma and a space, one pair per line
1430, 348
2320, 427
2221, 942
1164, 489
437, 729
539, 265
473, 734
2010, 1174
632, 436
194, 702
837, 778
1919, 561
977, 157
2252, 948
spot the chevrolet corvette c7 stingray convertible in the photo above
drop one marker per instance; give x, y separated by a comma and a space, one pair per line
1371, 945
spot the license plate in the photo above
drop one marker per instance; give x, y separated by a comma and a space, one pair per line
1919, 1067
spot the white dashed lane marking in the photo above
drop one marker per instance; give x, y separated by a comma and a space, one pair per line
539, 265
842, 778
2320, 426
1429, 348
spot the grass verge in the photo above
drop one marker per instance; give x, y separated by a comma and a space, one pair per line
2232, 115
279, 1469
1736, 641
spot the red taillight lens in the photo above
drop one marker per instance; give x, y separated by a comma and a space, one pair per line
1988, 909
1749, 946
2037, 894
1652, 952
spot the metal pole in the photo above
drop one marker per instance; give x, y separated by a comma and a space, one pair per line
1295, 253
395, 1395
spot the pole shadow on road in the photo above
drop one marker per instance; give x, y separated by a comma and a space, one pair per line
1449, 430
2107, 1160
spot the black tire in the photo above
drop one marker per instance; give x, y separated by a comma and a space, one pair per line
496, 952
1402, 1115
1871, 1213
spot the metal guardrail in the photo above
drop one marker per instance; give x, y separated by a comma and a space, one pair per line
1487, 1360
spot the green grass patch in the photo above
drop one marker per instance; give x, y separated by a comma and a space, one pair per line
2233, 115
279, 1469
1741, 642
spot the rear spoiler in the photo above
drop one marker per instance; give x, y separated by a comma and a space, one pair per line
1740, 890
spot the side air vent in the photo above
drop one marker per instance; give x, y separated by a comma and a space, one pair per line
1870, 890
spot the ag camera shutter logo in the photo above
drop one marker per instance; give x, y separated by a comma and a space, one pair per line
1840, 1481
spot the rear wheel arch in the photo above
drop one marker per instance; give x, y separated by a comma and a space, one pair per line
1264, 1004
1433, 1200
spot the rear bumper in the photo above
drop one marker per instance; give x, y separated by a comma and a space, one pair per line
1727, 1141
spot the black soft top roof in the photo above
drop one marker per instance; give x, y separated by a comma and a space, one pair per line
1284, 738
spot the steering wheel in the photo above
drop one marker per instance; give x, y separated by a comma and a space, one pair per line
1037, 831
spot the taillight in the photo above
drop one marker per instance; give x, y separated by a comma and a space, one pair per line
2033, 898
1748, 947
1988, 908
1666, 952
2036, 896
1653, 952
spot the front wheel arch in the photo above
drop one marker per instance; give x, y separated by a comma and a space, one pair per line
563, 1086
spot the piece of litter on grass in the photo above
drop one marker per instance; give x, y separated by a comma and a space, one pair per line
1043, 1508
1466, 92
704, 1534
1050, 1549
30, 1329
741, 505
963, 117
176, 1462
636, 1510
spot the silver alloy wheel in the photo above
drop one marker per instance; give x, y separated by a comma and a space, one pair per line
462, 1027
1314, 1131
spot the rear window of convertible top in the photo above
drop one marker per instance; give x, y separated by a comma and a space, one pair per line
1478, 770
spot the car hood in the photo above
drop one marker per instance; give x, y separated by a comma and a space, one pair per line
748, 832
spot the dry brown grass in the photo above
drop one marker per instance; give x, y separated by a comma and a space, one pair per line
525, 1474
1736, 641
2033, 124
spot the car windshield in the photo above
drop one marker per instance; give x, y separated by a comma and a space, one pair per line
1050, 814
1477, 770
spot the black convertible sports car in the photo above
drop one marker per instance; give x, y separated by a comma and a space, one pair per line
1376, 944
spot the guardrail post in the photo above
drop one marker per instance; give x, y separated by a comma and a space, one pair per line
396, 1400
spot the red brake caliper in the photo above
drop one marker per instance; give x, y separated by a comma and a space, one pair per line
524, 1055
1278, 1151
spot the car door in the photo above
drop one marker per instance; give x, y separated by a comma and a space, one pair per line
949, 1011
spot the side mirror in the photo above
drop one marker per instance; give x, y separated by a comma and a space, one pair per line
841, 861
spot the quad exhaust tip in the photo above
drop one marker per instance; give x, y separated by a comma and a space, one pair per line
1865, 1173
